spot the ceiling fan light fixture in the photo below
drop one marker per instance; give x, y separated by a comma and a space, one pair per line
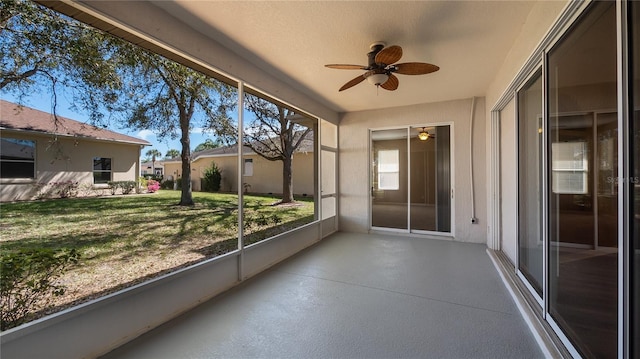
377, 79
423, 135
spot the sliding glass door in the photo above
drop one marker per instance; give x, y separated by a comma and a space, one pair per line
579, 182
583, 184
411, 179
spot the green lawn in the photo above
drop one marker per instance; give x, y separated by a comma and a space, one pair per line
125, 240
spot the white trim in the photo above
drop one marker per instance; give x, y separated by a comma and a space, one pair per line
76, 137
563, 338
495, 219
240, 179
530, 288
624, 172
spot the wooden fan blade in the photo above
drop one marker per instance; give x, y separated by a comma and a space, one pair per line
345, 67
415, 68
353, 82
389, 55
391, 84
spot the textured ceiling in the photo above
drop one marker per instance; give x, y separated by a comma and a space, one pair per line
293, 40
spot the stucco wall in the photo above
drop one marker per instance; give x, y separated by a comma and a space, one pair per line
266, 178
542, 16
540, 20
69, 159
354, 156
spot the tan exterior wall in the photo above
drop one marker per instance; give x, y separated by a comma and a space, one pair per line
69, 160
267, 175
172, 170
266, 178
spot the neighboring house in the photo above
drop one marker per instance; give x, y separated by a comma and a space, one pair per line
147, 168
36, 150
260, 175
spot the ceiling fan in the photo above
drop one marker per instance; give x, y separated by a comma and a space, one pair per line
382, 66
423, 134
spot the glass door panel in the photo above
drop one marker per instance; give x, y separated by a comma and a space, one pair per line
430, 174
583, 253
389, 187
424, 197
530, 246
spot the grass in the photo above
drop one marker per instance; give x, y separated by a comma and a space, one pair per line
126, 240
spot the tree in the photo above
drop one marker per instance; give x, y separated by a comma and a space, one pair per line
42, 50
108, 77
208, 144
275, 134
153, 154
170, 98
172, 153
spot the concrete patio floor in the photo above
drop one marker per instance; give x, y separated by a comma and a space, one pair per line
355, 296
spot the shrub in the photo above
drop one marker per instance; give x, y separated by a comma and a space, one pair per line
153, 186
212, 178
65, 189
28, 282
125, 186
157, 178
168, 184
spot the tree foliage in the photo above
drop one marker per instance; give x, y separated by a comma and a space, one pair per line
208, 144
152, 155
108, 78
172, 153
44, 51
275, 133
171, 98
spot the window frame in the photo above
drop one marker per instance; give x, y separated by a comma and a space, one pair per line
32, 161
95, 171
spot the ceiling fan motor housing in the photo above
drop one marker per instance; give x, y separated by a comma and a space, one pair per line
375, 48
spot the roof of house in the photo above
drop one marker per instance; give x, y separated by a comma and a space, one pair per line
158, 164
305, 146
21, 118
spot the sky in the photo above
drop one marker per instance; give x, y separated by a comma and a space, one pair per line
43, 103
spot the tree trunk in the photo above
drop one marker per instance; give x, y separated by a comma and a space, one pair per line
186, 197
287, 180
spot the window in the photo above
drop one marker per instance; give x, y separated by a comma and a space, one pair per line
248, 167
389, 169
101, 170
17, 158
570, 168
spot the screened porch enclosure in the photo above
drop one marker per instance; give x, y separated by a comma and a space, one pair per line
513, 232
